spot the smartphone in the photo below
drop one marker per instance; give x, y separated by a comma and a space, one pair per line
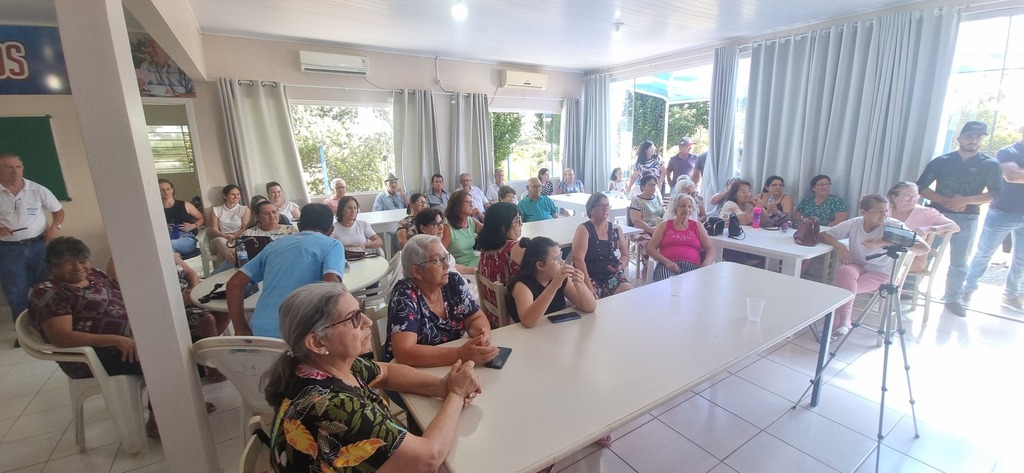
559, 318
498, 361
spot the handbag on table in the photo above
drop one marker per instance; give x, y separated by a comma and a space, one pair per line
807, 233
715, 226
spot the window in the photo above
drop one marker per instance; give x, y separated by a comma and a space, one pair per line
172, 149
354, 143
525, 142
988, 68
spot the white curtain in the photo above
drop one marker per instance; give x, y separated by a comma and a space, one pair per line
597, 138
472, 140
572, 144
860, 102
260, 140
415, 134
721, 120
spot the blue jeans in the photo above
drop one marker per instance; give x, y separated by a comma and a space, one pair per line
21, 267
960, 244
997, 226
184, 244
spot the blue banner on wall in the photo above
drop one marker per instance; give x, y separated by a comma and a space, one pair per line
32, 61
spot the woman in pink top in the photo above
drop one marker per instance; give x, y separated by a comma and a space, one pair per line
677, 244
903, 206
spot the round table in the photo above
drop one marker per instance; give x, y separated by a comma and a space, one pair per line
358, 275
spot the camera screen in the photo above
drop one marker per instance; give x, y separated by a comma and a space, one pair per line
899, 236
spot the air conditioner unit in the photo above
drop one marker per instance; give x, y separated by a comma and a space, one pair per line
523, 80
325, 63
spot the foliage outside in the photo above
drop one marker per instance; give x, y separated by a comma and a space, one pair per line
357, 143
522, 152
648, 122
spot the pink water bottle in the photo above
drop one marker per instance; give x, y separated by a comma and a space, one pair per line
757, 217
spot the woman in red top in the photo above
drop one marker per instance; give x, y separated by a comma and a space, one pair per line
500, 253
677, 244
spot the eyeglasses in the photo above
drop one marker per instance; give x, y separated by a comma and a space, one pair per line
421, 202
909, 196
468, 202
356, 319
602, 207
435, 224
557, 259
439, 262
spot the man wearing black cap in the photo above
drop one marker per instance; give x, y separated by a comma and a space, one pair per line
290, 262
684, 163
1005, 215
964, 180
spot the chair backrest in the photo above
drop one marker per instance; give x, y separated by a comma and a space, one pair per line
936, 254
243, 360
377, 296
32, 343
500, 293
378, 332
903, 264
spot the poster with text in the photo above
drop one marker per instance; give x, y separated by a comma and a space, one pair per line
32, 61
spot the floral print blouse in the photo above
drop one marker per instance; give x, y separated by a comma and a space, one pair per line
408, 312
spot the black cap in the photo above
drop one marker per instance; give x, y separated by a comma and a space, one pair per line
974, 127
316, 217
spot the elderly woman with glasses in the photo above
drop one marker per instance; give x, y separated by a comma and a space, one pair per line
903, 206
599, 249
329, 413
430, 221
432, 306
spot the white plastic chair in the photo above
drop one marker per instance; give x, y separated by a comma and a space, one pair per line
243, 360
123, 393
255, 450
377, 296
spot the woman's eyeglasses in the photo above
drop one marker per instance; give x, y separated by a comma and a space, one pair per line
439, 262
435, 224
355, 320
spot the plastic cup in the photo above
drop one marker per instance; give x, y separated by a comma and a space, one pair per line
677, 286
754, 308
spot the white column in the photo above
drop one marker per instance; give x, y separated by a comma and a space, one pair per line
96, 50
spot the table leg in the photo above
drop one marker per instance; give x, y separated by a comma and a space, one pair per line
826, 333
791, 266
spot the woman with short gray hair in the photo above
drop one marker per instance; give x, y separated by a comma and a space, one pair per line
431, 306
326, 332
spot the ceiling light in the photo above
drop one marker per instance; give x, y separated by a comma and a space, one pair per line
459, 10
618, 27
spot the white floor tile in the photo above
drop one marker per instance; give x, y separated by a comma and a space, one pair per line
735, 367
229, 452
13, 388
31, 425
95, 460
161, 467
578, 455
767, 454
804, 360
655, 448
97, 434
827, 441
941, 449
631, 426
722, 468
30, 367
28, 451
38, 467
710, 382
891, 460
48, 399
748, 401
13, 407
603, 461
126, 461
712, 428
225, 425
672, 403
781, 380
854, 412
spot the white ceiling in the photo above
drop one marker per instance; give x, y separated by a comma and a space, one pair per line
562, 34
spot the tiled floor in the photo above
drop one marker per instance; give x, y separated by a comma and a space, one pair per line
963, 375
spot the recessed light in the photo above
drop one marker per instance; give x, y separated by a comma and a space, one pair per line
459, 10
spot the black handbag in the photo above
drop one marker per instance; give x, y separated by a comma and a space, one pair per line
735, 231
715, 226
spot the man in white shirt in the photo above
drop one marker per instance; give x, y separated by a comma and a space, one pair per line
475, 193
24, 231
492, 190
392, 198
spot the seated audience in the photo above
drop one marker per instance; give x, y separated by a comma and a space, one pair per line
536, 206
462, 228
599, 249
508, 194
183, 219
290, 262
437, 197
431, 222
352, 233
78, 305
925, 221
685, 186
677, 244
644, 213
569, 183
227, 222
774, 193
339, 187
739, 201
288, 209
718, 199
392, 198
829, 209
856, 273
479, 201
618, 181
493, 193
351, 428
406, 226
252, 208
500, 252
546, 186
268, 224
432, 306
544, 282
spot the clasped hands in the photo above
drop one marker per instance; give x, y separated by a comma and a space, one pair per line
462, 381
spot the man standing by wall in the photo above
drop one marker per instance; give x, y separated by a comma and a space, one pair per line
683, 163
24, 232
1005, 215
964, 179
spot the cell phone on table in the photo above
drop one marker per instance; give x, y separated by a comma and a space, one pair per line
499, 361
559, 318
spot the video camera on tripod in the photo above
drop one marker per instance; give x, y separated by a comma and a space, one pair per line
899, 239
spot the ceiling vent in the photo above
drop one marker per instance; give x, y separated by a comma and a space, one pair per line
325, 63
523, 80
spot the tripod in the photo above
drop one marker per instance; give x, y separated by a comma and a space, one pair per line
891, 321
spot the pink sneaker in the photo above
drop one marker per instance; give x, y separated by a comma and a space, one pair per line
605, 441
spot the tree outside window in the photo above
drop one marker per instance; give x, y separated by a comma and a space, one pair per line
354, 143
525, 142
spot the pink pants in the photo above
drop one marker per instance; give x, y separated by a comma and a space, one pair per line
855, 279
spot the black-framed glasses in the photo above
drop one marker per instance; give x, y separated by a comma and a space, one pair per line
355, 319
435, 224
439, 262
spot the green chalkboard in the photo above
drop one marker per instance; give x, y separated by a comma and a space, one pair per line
31, 138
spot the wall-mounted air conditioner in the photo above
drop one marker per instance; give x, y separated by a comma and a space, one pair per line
523, 80
326, 63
